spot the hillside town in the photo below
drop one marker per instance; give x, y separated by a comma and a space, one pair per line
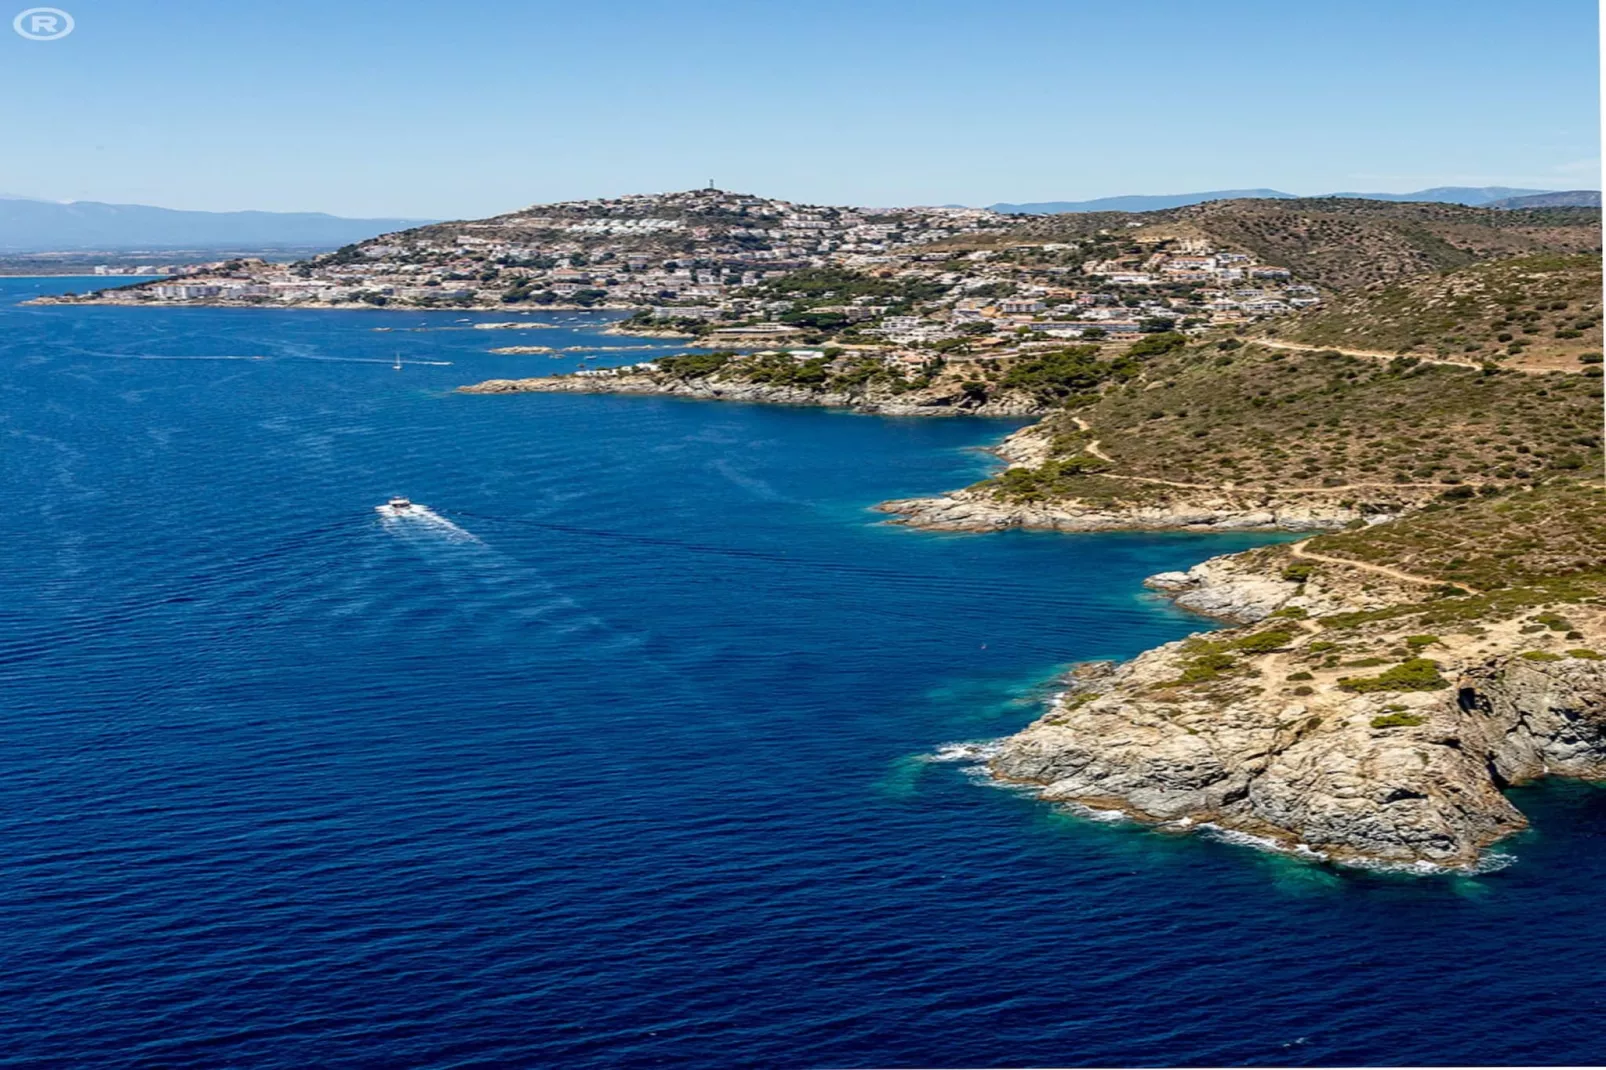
715, 265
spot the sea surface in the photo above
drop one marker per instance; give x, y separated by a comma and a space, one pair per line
629, 750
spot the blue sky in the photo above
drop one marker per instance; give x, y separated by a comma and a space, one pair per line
472, 107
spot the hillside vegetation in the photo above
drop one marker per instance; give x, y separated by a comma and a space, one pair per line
1246, 416
1443, 640
1556, 531
1337, 243
1347, 243
1532, 311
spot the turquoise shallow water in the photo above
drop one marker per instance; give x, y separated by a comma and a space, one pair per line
623, 756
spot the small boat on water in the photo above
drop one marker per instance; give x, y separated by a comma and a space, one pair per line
398, 362
400, 504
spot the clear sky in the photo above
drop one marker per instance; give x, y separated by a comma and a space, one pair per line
470, 107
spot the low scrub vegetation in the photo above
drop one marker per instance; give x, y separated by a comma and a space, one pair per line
1545, 306
1417, 674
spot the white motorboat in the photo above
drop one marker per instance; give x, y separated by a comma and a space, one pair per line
400, 504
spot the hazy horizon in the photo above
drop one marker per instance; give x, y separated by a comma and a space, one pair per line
404, 110
4, 196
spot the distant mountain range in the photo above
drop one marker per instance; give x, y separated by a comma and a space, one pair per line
31, 226
37, 226
1474, 196
1572, 198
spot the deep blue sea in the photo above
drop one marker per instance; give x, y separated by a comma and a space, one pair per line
623, 754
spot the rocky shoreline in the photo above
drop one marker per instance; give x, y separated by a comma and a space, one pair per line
128, 296
1284, 745
719, 388
977, 509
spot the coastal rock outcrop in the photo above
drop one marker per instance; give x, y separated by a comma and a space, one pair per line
1241, 588
936, 401
1268, 731
979, 509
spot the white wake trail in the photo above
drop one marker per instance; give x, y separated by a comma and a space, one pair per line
421, 519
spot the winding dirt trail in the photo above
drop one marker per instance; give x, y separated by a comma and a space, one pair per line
1095, 448
1299, 550
1372, 354
1369, 354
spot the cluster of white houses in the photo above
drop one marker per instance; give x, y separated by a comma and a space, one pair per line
704, 255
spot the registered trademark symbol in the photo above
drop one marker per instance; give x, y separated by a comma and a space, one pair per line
43, 24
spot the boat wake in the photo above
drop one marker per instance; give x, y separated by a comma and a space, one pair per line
481, 589
421, 519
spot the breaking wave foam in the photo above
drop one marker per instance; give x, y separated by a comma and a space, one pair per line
971, 753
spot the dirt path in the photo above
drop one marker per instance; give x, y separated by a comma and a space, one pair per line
1095, 448
1354, 486
1372, 354
1369, 354
1298, 549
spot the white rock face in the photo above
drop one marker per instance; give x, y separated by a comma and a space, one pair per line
1404, 778
1233, 588
1221, 588
934, 401
976, 510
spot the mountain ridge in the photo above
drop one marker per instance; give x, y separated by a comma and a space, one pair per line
1472, 196
28, 225
33, 225
1571, 198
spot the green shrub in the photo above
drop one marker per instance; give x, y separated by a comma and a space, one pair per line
1300, 676
1417, 674
1210, 664
1586, 654
1156, 344
1397, 720
1298, 573
1066, 372
1264, 642
1418, 642
1539, 655
694, 365
1051, 479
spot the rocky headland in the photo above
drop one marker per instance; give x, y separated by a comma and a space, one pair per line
939, 399
1111, 500
1352, 719
982, 509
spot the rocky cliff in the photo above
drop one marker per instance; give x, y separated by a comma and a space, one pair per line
1331, 726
